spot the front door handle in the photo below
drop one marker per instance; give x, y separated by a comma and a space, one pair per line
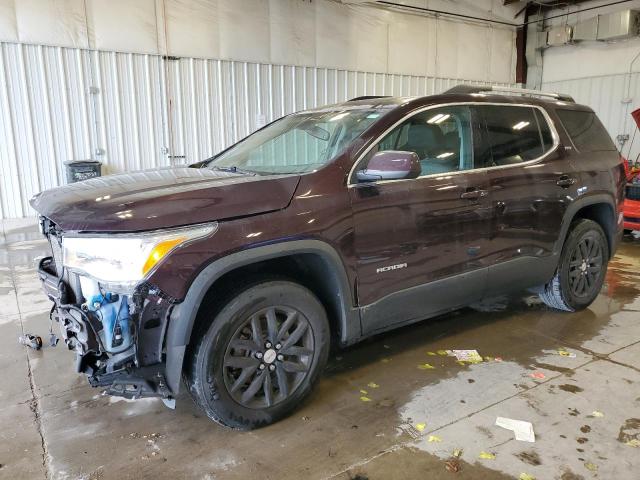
474, 194
565, 181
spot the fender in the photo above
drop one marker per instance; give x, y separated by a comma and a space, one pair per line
580, 203
184, 314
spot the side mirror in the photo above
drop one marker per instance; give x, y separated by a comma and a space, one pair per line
391, 165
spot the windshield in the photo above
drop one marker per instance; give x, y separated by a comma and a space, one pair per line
298, 143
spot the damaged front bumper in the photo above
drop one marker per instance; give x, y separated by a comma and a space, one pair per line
125, 357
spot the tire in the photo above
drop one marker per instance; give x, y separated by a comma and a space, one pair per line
582, 269
243, 384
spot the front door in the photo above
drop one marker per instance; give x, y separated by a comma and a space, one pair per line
420, 243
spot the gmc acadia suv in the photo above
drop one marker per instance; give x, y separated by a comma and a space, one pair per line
326, 226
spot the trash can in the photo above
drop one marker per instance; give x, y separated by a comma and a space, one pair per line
78, 170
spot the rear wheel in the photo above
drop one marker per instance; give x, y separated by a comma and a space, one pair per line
261, 356
582, 268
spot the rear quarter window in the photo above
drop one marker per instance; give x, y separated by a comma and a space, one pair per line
586, 131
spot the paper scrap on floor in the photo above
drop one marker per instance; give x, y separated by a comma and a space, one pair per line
471, 356
523, 430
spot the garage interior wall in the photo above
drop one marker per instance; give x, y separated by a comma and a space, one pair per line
602, 75
159, 82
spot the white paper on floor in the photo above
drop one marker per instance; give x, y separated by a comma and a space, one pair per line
522, 430
465, 355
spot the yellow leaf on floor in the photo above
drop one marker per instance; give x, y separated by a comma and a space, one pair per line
421, 426
426, 366
526, 476
365, 399
372, 385
487, 456
434, 438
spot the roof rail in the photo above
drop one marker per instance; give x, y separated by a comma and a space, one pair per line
518, 91
367, 97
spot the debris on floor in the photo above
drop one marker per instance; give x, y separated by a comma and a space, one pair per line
411, 430
596, 414
526, 476
372, 385
523, 430
538, 375
452, 464
421, 426
471, 356
487, 456
591, 466
434, 439
565, 353
32, 341
364, 398
426, 366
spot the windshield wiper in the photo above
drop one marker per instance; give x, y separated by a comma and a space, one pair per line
233, 169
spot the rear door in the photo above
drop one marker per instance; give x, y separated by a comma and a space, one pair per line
530, 179
420, 243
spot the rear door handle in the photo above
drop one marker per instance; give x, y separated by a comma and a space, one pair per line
474, 194
565, 181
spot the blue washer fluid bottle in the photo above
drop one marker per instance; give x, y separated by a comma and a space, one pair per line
113, 312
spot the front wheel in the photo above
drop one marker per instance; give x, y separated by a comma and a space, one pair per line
583, 266
261, 356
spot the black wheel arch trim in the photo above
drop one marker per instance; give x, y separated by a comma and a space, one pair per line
575, 206
184, 314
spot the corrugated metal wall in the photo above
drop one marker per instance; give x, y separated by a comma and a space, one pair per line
135, 111
613, 98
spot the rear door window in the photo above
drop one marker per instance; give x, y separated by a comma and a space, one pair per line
586, 131
513, 134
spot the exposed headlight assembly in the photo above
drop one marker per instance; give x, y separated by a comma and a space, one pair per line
120, 261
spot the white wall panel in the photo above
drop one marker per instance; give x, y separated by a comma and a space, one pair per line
369, 32
318, 33
293, 32
244, 32
8, 25
134, 111
59, 22
412, 45
190, 27
123, 25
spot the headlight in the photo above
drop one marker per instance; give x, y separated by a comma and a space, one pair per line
120, 261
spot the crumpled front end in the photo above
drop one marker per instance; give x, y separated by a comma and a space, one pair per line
117, 338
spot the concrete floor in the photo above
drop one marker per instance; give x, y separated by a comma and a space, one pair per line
53, 425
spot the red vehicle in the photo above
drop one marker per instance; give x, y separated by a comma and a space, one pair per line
632, 190
632, 197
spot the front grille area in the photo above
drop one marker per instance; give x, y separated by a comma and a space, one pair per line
632, 192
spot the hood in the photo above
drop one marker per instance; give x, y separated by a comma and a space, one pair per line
162, 198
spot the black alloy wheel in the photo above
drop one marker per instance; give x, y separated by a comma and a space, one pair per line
259, 352
268, 357
585, 265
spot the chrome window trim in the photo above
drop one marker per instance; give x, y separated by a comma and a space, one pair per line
551, 125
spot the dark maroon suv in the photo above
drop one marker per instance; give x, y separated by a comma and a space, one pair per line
326, 226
